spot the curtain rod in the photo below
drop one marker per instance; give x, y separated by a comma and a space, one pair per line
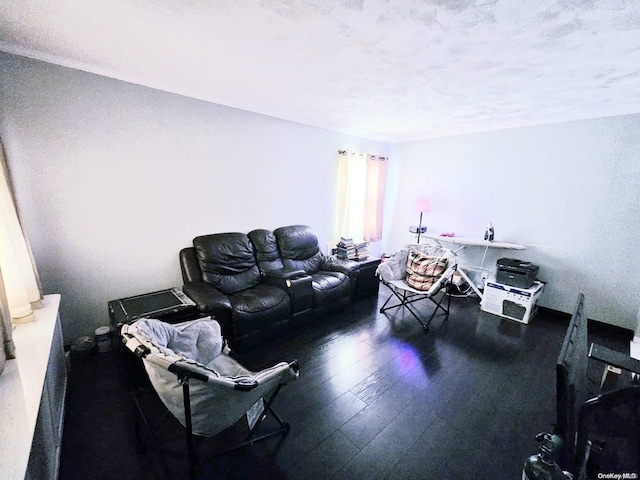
344, 152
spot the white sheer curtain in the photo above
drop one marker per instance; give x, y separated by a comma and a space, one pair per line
374, 196
8, 349
361, 184
19, 276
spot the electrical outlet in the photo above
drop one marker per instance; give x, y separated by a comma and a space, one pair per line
484, 276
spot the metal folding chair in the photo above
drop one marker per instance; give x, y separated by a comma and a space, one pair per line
393, 273
190, 368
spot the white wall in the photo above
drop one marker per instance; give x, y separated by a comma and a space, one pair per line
113, 179
570, 192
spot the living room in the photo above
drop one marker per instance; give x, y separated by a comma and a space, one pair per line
113, 178
110, 176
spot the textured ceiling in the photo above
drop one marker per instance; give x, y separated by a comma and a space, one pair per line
391, 70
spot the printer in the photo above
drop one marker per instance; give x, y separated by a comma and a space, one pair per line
516, 273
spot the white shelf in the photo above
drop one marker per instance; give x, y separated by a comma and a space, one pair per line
26, 380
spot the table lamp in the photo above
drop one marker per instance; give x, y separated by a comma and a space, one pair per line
422, 205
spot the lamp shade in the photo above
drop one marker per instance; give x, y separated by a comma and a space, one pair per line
422, 205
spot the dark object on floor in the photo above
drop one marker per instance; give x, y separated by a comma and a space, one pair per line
82, 347
543, 466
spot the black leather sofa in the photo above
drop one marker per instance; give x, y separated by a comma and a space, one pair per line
260, 283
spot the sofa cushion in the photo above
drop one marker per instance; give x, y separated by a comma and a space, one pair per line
299, 248
266, 248
227, 261
255, 308
330, 287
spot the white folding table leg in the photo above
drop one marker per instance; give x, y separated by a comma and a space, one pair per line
464, 275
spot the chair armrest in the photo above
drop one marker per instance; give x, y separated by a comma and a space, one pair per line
187, 370
208, 298
615, 358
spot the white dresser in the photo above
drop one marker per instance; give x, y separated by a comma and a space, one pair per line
32, 397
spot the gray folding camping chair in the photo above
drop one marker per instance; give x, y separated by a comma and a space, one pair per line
417, 273
201, 385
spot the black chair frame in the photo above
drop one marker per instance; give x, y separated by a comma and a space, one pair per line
407, 297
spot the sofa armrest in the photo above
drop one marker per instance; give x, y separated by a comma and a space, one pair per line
213, 302
283, 273
297, 284
189, 265
208, 298
289, 280
333, 264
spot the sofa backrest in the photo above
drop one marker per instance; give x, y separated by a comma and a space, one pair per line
266, 249
299, 249
227, 261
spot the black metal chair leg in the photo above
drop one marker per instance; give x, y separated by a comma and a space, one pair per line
191, 448
406, 299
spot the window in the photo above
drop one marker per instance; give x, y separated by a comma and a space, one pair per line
361, 183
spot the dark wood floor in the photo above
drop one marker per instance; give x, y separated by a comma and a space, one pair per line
376, 399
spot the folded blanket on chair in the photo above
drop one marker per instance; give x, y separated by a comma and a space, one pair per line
198, 340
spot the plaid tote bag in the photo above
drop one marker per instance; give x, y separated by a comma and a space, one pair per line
423, 270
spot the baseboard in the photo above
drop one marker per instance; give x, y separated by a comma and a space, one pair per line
595, 324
